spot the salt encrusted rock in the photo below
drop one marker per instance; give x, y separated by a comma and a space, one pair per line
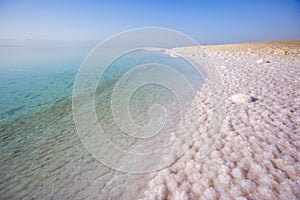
242, 98
262, 61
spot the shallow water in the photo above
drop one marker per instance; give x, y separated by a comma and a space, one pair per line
42, 155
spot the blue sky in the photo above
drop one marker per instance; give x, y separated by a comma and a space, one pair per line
209, 22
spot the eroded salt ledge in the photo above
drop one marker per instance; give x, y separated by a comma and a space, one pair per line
257, 155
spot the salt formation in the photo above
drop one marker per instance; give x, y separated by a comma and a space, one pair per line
241, 98
261, 61
257, 155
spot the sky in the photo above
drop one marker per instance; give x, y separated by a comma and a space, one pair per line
208, 22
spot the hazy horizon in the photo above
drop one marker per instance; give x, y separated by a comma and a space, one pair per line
92, 43
210, 22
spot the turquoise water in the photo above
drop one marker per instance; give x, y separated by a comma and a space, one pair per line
32, 78
41, 154
35, 78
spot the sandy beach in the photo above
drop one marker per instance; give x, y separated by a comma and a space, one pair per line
257, 155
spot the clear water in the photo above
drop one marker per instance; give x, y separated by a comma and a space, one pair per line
32, 78
41, 153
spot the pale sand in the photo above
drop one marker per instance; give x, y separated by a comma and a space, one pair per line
258, 153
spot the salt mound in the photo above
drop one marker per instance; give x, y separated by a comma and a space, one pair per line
262, 61
241, 98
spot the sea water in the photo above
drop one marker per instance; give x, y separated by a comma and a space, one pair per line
41, 153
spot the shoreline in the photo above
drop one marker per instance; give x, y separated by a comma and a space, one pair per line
257, 155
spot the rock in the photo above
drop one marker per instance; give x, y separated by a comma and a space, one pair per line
261, 61
242, 98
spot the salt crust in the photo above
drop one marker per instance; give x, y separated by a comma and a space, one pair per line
257, 155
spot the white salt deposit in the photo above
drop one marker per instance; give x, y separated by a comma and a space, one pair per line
261, 61
241, 98
257, 155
